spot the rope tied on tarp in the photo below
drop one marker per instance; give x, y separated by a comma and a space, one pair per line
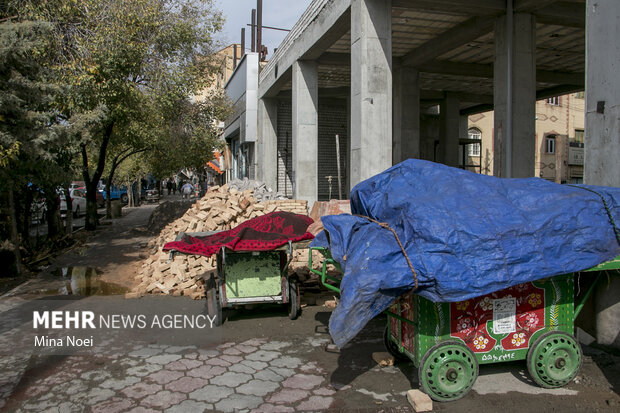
400, 244
611, 218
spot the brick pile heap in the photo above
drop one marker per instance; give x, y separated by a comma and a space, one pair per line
220, 209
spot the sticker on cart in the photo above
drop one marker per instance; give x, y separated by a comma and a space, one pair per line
504, 311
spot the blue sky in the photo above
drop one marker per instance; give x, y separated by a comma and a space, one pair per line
276, 13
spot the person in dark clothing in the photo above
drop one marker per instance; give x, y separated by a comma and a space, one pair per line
203, 188
169, 186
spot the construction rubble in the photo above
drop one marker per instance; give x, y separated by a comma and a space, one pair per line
261, 191
222, 208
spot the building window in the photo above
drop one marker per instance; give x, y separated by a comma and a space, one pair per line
554, 101
550, 144
473, 149
579, 135
580, 95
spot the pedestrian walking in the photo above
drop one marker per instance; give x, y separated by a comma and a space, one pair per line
186, 190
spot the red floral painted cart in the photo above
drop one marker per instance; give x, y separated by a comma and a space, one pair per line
448, 341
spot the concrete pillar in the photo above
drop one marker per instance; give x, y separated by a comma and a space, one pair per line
371, 88
406, 113
449, 130
602, 141
305, 130
463, 126
267, 156
523, 103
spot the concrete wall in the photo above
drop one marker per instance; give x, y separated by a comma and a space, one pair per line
602, 153
602, 93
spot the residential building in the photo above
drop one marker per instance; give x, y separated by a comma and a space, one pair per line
559, 149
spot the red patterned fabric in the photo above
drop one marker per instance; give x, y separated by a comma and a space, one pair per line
263, 233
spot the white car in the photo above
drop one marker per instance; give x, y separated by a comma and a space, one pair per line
78, 202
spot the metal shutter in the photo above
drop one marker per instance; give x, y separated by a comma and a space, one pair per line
285, 148
332, 121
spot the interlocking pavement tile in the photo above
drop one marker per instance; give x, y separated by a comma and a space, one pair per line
231, 379
288, 396
211, 393
316, 403
303, 381
117, 384
257, 387
190, 406
139, 390
207, 372
163, 399
164, 376
115, 405
272, 408
263, 355
286, 362
184, 364
163, 359
237, 402
186, 384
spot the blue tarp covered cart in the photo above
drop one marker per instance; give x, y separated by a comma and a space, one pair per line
465, 235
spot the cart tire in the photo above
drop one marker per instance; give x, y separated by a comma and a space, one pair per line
448, 371
554, 359
293, 300
392, 347
214, 307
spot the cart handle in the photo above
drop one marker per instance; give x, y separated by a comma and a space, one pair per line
323, 273
587, 295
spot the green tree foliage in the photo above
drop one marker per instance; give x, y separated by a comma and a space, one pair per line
121, 60
32, 144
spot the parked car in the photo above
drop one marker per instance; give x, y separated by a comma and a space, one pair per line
98, 196
78, 202
117, 193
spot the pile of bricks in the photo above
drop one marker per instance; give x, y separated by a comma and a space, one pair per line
220, 209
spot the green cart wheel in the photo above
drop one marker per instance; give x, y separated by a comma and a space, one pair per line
554, 359
392, 347
293, 300
214, 307
448, 371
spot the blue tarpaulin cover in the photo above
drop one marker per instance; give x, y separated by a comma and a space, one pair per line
466, 235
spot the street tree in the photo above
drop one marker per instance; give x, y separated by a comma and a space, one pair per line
117, 56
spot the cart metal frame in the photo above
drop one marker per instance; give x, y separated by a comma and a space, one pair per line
250, 277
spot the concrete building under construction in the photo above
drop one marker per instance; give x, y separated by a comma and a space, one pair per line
399, 79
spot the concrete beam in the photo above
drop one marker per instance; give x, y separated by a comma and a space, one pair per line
371, 88
486, 71
541, 94
531, 5
470, 7
563, 13
334, 59
305, 104
558, 91
314, 35
472, 110
437, 96
462, 33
